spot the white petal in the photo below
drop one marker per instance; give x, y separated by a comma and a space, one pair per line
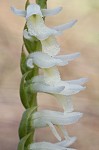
66, 102
50, 46
39, 87
18, 12
51, 12
65, 26
37, 27
45, 146
66, 58
68, 140
80, 81
33, 9
73, 117
67, 143
26, 35
56, 118
51, 76
54, 131
43, 60
72, 89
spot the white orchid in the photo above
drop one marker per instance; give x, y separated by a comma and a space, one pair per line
38, 83
36, 27
43, 60
49, 146
35, 22
50, 118
65, 88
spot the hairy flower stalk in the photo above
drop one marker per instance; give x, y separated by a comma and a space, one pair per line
42, 47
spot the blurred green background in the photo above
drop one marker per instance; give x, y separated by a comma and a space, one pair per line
83, 37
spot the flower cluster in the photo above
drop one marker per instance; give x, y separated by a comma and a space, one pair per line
49, 81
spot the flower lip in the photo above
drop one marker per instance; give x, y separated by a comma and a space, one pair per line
47, 146
50, 118
55, 117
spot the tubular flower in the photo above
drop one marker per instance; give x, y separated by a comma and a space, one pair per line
38, 83
48, 81
67, 88
43, 60
50, 118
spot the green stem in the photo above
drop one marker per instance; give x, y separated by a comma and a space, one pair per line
28, 99
42, 3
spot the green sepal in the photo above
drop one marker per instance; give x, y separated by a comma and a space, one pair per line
32, 45
23, 92
42, 3
25, 141
28, 99
23, 65
25, 127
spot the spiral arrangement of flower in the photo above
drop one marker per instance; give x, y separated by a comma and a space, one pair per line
43, 48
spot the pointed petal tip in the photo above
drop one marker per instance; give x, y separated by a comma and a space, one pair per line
51, 12
77, 53
18, 12
64, 27
73, 22
13, 9
83, 80
81, 88
60, 8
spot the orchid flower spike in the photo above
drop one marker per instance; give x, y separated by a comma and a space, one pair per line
50, 118
48, 81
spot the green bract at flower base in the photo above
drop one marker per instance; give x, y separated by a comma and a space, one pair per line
42, 53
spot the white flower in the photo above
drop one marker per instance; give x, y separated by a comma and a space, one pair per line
35, 22
36, 27
43, 60
64, 94
49, 146
50, 118
39, 82
49, 45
